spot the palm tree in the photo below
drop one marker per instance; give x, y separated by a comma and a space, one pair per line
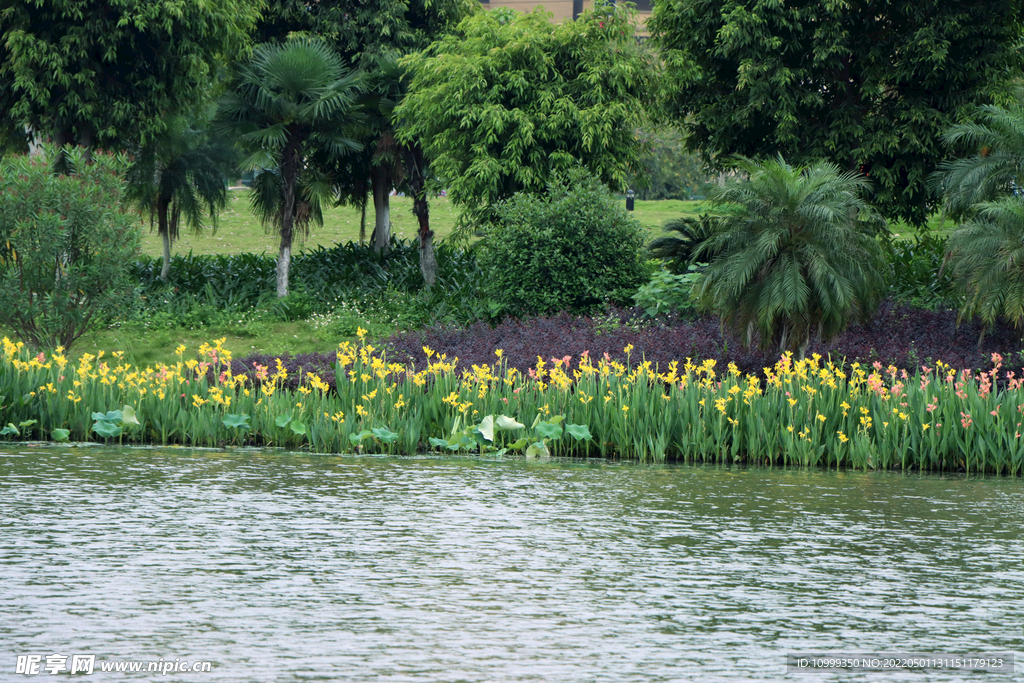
987, 257
182, 173
796, 253
983, 187
992, 161
287, 102
683, 237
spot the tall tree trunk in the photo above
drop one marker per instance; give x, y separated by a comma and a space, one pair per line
381, 209
164, 231
86, 141
70, 136
289, 178
428, 262
362, 221
417, 180
62, 138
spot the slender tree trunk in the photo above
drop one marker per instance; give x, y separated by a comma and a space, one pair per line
362, 221
381, 209
428, 262
165, 236
86, 141
61, 139
289, 177
66, 137
416, 168
284, 262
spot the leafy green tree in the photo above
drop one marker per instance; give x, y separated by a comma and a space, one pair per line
280, 19
288, 100
399, 164
991, 161
510, 99
869, 85
987, 257
96, 73
383, 163
371, 37
180, 174
796, 253
66, 244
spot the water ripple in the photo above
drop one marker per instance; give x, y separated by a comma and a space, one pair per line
280, 567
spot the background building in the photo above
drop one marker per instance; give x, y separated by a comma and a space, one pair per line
563, 9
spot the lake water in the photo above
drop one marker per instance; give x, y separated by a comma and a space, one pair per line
289, 567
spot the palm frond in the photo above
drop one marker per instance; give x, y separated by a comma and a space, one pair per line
794, 253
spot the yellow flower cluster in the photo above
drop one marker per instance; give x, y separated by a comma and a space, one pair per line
810, 406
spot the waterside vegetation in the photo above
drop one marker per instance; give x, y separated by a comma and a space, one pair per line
798, 412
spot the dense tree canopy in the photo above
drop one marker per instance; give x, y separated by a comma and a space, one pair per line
510, 99
870, 85
93, 72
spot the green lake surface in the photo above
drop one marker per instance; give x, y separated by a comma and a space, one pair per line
291, 567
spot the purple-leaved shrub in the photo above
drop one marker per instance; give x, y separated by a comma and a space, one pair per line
898, 335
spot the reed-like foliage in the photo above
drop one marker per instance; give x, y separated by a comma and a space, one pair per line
798, 412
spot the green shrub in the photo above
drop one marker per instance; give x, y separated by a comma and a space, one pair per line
65, 246
667, 292
321, 277
571, 249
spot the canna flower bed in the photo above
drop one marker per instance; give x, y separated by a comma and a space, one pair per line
798, 412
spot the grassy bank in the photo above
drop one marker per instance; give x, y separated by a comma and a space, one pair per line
150, 335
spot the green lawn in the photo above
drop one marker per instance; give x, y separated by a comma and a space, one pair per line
238, 231
938, 225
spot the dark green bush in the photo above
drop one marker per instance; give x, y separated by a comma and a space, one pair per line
571, 249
